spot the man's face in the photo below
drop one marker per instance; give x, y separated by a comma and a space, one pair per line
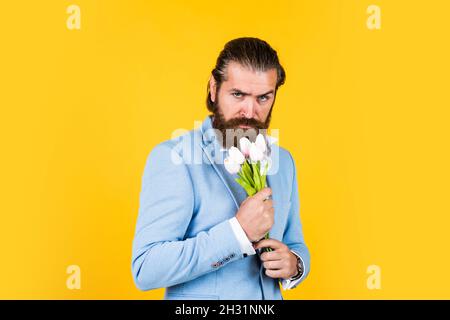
244, 100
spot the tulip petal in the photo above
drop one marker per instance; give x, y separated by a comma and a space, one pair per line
236, 155
244, 144
231, 166
255, 153
260, 142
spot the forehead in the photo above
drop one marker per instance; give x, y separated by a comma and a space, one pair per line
248, 80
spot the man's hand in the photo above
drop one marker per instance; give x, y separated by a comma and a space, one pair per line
280, 263
256, 215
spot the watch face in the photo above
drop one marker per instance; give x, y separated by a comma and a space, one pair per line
299, 269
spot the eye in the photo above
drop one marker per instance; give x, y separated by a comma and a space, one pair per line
237, 94
263, 98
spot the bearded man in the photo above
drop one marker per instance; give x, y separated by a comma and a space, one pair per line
198, 234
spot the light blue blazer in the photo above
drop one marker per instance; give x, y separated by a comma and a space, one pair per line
183, 240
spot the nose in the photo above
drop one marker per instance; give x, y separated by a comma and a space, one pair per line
248, 110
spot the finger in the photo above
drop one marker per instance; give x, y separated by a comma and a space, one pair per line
274, 265
263, 194
269, 243
268, 204
271, 256
275, 273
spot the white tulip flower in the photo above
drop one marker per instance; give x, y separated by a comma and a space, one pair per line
261, 143
236, 156
231, 166
251, 163
256, 154
244, 144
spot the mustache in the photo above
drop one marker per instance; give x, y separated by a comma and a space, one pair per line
251, 122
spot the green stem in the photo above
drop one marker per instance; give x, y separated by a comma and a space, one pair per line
267, 249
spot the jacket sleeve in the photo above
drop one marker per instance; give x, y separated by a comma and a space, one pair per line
161, 255
293, 234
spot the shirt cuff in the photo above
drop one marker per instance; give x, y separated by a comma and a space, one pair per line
245, 244
289, 283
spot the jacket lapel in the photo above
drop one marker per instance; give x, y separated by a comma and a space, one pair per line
273, 182
211, 148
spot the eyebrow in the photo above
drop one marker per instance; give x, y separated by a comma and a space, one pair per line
248, 94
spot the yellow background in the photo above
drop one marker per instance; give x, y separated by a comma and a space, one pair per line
365, 114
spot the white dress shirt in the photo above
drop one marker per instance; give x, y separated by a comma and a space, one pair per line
247, 248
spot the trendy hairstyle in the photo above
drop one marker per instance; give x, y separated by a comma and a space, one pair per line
253, 53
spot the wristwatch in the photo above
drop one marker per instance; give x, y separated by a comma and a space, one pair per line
299, 269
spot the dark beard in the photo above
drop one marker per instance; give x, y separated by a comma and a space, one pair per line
231, 133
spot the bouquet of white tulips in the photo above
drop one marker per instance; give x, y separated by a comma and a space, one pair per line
251, 164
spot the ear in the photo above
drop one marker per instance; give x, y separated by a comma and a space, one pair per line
212, 88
